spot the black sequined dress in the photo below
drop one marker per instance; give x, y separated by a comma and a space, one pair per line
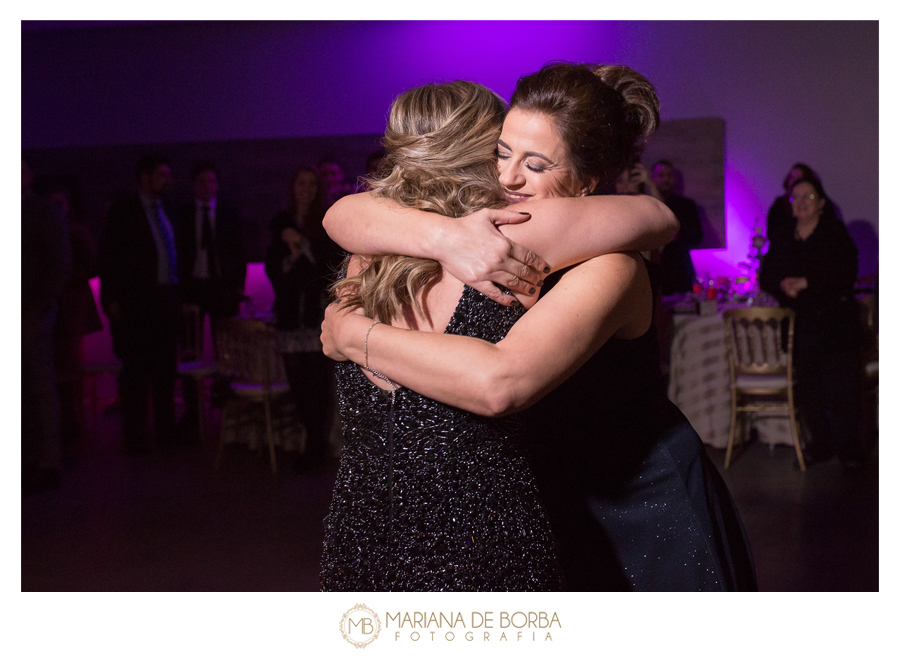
634, 500
429, 497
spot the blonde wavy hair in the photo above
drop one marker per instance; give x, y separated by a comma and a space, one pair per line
441, 142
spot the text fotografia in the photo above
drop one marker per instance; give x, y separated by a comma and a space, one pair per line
478, 626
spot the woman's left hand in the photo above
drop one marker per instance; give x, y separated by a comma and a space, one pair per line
474, 251
339, 328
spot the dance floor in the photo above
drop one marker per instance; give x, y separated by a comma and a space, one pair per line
168, 521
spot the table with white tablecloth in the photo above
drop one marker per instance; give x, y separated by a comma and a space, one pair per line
700, 384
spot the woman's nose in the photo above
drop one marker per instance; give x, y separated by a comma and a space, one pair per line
510, 176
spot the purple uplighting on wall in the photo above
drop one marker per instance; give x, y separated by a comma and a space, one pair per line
171, 82
495, 53
743, 216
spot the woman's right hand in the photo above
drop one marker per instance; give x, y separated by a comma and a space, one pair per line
473, 250
338, 328
293, 239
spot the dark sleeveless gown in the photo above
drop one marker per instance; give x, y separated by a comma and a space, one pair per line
632, 496
430, 497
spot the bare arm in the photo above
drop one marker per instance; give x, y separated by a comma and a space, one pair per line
591, 303
571, 230
472, 249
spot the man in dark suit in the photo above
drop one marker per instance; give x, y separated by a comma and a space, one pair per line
138, 279
212, 263
46, 268
675, 260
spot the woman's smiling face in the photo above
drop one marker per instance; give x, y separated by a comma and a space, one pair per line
805, 202
306, 184
532, 159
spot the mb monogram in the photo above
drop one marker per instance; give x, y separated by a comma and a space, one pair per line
360, 626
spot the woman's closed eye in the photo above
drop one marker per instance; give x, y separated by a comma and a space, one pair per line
537, 168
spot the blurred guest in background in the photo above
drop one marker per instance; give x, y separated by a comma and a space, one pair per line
212, 265
78, 317
300, 263
373, 162
636, 180
46, 267
781, 213
811, 267
334, 186
373, 166
675, 260
138, 292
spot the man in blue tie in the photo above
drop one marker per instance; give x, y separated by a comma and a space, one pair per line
138, 292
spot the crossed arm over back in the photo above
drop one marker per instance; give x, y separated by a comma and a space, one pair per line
601, 298
551, 235
608, 295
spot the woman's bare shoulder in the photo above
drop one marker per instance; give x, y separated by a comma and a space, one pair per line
621, 267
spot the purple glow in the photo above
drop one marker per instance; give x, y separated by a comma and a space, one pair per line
258, 287
307, 78
98, 345
497, 53
742, 215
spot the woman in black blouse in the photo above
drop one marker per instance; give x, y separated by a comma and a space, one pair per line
300, 263
811, 267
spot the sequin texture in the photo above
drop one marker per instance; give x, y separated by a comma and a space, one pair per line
443, 499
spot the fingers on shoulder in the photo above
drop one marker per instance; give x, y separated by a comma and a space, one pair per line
493, 292
530, 262
500, 216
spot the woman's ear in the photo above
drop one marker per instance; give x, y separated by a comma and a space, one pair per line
588, 186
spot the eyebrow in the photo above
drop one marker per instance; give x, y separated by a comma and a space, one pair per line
527, 153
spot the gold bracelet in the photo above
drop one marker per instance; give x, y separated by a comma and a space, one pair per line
366, 361
366, 344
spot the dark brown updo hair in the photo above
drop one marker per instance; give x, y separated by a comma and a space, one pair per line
806, 172
603, 113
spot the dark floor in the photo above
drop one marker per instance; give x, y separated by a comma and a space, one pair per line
170, 522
